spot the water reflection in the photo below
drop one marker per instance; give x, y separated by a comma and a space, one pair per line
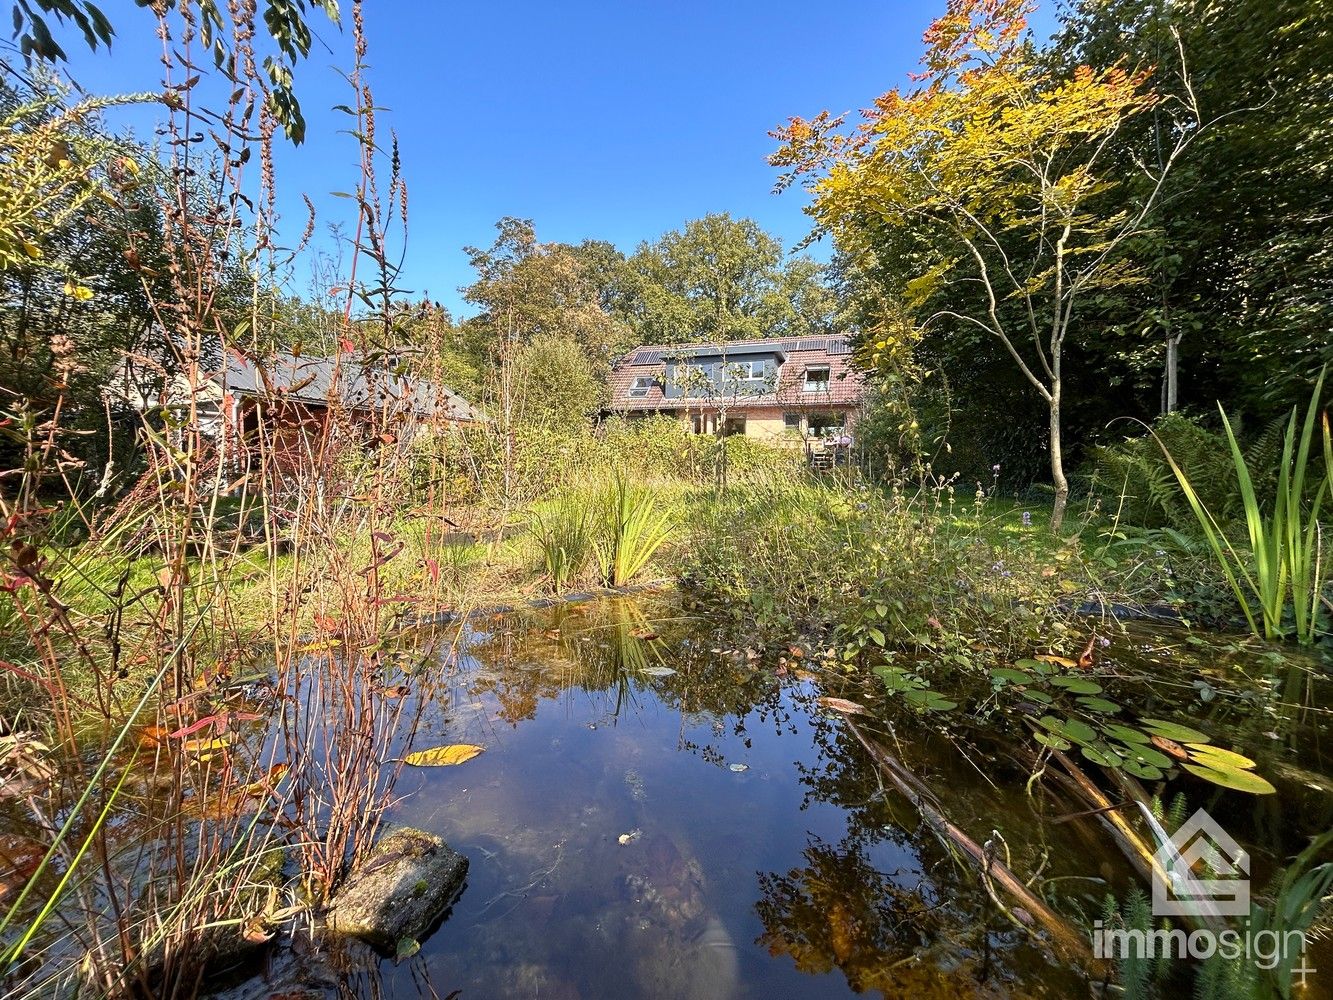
660, 812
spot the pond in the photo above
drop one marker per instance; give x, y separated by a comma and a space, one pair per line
661, 812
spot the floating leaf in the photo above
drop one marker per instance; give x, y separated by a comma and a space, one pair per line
657, 671
1071, 729
1174, 731
1077, 685
1146, 756
1034, 665
1011, 676
1101, 754
1059, 661
446, 756
1240, 780
407, 947
1053, 741
1211, 756
1146, 772
931, 701
1099, 705
843, 705
204, 746
1170, 746
1040, 697
1125, 734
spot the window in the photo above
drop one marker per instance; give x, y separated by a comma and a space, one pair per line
816, 378
827, 424
639, 388
748, 371
791, 422
734, 425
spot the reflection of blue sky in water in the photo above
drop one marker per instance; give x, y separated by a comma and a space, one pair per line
589, 739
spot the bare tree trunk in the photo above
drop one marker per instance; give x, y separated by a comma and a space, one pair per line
1057, 462
1170, 386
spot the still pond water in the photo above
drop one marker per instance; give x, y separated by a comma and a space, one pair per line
661, 814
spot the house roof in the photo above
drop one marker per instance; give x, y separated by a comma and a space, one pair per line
311, 380
795, 355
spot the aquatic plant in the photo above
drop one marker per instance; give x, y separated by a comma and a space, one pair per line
630, 528
1282, 566
562, 529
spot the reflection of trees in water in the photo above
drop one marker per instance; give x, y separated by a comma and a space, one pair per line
615, 648
839, 911
931, 931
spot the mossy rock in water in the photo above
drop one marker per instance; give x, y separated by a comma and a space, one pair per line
410, 878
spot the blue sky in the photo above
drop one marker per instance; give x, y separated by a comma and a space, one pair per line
606, 120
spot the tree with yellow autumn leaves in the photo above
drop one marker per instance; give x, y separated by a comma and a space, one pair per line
997, 167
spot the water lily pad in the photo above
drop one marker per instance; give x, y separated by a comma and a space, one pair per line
1145, 772
931, 701
1125, 734
1146, 756
1041, 697
1102, 755
1077, 685
1070, 729
1174, 731
1099, 705
1011, 676
1211, 756
1240, 780
1054, 660
1053, 741
1036, 666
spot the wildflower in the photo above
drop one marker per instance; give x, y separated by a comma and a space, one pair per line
995, 468
1104, 642
1027, 518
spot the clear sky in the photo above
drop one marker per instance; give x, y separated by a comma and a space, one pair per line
607, 120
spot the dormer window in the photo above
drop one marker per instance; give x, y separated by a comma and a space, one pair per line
748, 371
640, 386
816, 378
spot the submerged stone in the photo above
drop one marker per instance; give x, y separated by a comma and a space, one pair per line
407, 883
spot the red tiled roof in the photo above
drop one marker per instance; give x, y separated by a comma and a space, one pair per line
846, 383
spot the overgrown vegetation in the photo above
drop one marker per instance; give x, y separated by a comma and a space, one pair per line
204, 595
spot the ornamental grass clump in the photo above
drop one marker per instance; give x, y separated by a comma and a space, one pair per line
1281, 562
562, 529
631, 528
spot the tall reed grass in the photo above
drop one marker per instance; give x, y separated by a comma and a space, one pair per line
630, 529
1280, 564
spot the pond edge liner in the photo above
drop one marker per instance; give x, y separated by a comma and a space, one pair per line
1162, 614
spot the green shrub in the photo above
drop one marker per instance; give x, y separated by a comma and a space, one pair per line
871, 569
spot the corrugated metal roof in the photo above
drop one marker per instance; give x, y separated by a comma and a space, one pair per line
311, 379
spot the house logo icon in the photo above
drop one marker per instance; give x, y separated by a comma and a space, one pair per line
1201, 871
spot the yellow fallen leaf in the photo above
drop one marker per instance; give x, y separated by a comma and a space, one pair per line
1059, 661
206, 745
454, 753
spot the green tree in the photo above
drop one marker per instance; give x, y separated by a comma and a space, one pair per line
1241, 282
557, 383
993, 165
721, 279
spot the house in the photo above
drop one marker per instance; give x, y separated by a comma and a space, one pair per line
293, 401
783, 391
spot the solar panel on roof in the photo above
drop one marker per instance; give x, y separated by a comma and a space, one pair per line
809, 345
647, 357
